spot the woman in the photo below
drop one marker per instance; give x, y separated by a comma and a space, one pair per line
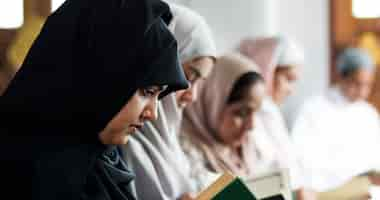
91, 78
217, 128
279, 60
158, 143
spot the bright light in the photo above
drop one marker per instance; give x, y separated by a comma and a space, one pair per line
11, 13
366, 8
55, 4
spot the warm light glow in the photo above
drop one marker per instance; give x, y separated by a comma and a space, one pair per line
11, 13
366, 8
55, 4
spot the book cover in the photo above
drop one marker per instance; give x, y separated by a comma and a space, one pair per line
276, 197
225, 188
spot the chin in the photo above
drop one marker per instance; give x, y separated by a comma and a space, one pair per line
182, 105
121, 141
125, 141
236, 144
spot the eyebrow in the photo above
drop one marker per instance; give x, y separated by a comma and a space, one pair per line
161, 88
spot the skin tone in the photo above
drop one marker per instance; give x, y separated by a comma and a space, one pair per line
196, 71
283, 83
140, 108
358, 85
237, 119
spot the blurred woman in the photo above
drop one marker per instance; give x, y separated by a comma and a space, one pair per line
217, 129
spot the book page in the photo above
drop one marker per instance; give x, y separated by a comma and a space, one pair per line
270, 184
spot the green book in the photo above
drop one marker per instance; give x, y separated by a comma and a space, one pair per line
227, 187
276, 197
235, 190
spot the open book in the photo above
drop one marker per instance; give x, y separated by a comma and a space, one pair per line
228, 187
271, 184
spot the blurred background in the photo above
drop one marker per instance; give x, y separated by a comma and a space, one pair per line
321, 27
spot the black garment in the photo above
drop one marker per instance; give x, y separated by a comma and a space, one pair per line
89, 59
112, 175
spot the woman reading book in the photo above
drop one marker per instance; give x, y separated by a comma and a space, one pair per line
217, 128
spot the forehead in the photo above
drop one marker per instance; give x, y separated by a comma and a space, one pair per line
255, 93
157, 88
252, 97
202, 64
362, 75
290, 71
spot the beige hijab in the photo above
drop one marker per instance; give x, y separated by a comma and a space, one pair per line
202, 117
265, 52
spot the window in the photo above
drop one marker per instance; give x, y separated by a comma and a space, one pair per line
366, 8
11, 14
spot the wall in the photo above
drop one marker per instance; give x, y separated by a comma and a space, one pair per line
306, 21
232, 20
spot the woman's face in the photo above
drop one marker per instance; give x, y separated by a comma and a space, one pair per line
141, 107
358, 85
283, 84
238, 118
196, 71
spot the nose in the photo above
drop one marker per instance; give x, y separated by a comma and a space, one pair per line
249, 122
150, 112
190, 94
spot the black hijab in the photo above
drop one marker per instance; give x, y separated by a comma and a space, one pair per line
89, 59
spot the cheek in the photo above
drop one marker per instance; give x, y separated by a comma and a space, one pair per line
179, 95
285, 87
237, 123
365, 92
133, 110
231, 127
352, 91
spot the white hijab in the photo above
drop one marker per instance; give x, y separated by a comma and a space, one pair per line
154, 154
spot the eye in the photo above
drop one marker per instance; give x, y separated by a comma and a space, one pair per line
148, 92
242, 113
192, 75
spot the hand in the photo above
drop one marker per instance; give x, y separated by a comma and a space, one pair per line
306, 194
187, 196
